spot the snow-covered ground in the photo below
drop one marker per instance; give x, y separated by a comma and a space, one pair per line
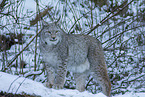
20, 85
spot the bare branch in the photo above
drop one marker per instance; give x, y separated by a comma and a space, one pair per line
121, 33
107, 18
39, 16
34, 73
20, 85
78, 20
12, 83
3, 3
21, 51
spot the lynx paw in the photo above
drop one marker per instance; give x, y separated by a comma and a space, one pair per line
57, 86
46, 84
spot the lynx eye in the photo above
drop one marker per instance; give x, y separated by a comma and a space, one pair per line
57, 32
49, 32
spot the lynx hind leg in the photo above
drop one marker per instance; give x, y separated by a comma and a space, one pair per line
80, 81
104, 82
99, 73
99, 69
50, 76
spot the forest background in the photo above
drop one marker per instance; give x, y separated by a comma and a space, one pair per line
118, 24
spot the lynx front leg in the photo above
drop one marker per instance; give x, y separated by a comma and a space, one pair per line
80, 81
60, 77
50, 76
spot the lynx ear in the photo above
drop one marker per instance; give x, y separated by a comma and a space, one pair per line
58, 20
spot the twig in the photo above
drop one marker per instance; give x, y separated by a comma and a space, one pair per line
78, 20
34, 73
21, 51
106, 19
35, 53
114, 26
20, 85
88, 83
12, 83
136, 78
3, 3
121, 33
128, 81
39, 16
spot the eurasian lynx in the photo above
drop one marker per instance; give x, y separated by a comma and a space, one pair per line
81, 54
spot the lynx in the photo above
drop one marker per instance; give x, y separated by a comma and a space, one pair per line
81, 54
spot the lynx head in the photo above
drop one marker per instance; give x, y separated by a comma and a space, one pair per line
51, 34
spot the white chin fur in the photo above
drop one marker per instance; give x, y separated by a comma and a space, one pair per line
49, 42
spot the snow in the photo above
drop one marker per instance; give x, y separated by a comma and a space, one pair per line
132, 95
1, 1
20, 85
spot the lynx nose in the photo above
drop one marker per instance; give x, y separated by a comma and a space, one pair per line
53, 37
